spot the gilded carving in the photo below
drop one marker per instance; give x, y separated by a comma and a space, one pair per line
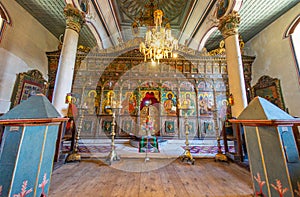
74, 18
135, 79
219, 51
229, 24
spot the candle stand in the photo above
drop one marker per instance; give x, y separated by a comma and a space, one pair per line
187, 156
75, 156
113, 156
148, 146
219, 156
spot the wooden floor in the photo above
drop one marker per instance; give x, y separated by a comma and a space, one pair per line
157, 178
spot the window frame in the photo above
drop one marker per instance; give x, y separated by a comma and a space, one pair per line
4, 20
293, 33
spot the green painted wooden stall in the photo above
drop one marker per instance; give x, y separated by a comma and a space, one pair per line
28, 146
272, 150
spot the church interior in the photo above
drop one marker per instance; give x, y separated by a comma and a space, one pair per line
149, 98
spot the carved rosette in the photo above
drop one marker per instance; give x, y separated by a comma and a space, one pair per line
229, 24
74, 18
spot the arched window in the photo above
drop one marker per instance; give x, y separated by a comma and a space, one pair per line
4, 19
293, 33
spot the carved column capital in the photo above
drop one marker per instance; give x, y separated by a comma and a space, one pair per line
228, 25
74, 18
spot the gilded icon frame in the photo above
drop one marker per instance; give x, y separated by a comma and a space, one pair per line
27, 84
269, 88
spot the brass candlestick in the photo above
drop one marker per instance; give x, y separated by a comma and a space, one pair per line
75, 156
187, 156
148, 128
147, 144
219, 156
113, 156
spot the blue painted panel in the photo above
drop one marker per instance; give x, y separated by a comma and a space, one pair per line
47, 160
8, 153
294, 170
272, 151
29, 159
255, 158
289, 144
27, 154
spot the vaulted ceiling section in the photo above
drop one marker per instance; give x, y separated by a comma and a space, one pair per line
187, 18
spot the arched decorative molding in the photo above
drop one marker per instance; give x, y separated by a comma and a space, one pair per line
237, 4
291, 28
96, 34
5, 19
206, 36
135, 44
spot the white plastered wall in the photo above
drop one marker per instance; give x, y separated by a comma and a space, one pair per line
23, 47
274, 57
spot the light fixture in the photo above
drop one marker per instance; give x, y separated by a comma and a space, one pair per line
159, 42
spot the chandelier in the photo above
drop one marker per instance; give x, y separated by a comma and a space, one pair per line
159, 42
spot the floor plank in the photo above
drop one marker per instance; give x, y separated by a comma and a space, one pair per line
156, 177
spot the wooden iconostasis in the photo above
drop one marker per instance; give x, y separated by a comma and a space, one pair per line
154, 91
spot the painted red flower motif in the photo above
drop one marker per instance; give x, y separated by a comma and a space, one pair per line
261, 184
279, 189
24, 191
43, 184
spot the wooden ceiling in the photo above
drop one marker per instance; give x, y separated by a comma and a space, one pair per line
109, 21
